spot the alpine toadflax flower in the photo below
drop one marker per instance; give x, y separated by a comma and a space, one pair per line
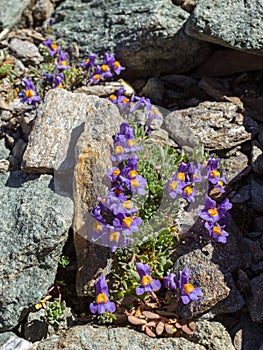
102, 302
89, 62
29, 95
148, 284
188, 291
53, 48
62, 61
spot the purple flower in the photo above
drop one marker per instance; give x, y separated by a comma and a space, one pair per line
131, 224
188, 193
148, 284
188, 291
171, 282
89, 62
174, 188
97, 230
62, 61
109, 59
210, 211
138, 184
53, 48
117, 67
29, 95
102, 302
97, 75
116, 237
216, 232
223, 207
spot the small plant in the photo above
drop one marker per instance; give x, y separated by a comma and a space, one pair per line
64, 261
54, 311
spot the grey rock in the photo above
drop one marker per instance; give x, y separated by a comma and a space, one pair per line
257, 195
236, 167
147, 37
258, 224
216, 125
39, 221
260, 133
154, 90
18, 151
9, 341
90, 338
236, 24
255, 299
243, 195
42, 10
207, 276
4, 154
178, 81
59, 124
26, 51
257, 157
11, 12
213, 336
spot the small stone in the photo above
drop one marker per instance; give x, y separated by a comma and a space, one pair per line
154, 90
255, 299
42, 10
26, 51
258, 224
257, 194
257, 157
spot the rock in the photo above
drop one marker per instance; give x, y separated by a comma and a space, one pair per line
147, 37
248, 334
26, 51
236, 166
178, 81
228, 62
101, 90
207, 276
258, 224
72, 136
255, 250
90, 338
257, 157
9, 341
39, 221
17, 152
217, 91
154, 90
11, 12
255, 299
212, 335
212, 124
260, 133
236, 24
242, 195
257, 195
4, 154
42, 11
59, 124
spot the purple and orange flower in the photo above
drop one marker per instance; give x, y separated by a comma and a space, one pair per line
148, 284
102, 302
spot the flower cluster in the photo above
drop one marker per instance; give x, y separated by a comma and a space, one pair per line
116, 218
214, 213
109, 67
129, 104
182, 286
181, 183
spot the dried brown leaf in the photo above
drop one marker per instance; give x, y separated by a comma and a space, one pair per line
169, 329
149, 332
186, 329
136, 321
192, 325
151, 315
160, 328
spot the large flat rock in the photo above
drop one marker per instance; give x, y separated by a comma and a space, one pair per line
147, 36
216, 125
233, 23
11, 11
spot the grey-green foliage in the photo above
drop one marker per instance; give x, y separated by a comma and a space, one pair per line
55, 311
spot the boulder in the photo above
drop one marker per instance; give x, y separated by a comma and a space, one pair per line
235, 23
147, 37
34, 225
11, 12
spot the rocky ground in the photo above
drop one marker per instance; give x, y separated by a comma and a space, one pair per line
203, 63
